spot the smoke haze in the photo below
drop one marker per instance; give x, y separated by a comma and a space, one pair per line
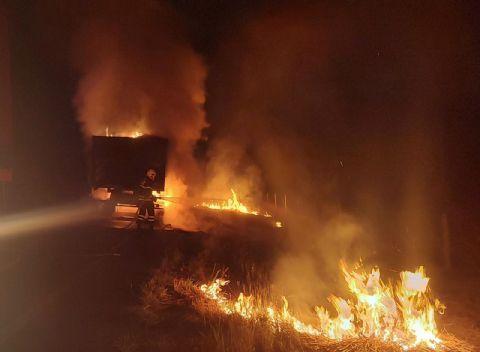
341, 107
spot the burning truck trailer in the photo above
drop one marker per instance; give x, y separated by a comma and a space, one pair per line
118, 165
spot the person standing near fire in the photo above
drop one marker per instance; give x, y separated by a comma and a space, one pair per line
146, 207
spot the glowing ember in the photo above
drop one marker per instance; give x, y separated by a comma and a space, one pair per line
404, 315
232, 204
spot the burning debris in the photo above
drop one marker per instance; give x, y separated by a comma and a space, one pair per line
380, 316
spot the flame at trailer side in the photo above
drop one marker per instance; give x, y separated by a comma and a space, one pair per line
403, 315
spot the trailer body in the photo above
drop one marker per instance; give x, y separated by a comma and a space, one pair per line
119, 163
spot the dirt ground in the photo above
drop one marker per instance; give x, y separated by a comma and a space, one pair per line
81, 289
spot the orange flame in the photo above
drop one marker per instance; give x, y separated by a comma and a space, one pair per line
232, 204
404, 315
131, 134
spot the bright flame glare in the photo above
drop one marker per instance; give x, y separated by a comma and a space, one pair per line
404, 315
161, 201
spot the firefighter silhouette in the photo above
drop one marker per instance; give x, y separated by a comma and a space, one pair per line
146, 207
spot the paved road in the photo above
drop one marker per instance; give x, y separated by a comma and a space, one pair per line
69, 290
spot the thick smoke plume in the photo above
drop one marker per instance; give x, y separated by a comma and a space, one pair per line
139, 74
229, 166
338, 107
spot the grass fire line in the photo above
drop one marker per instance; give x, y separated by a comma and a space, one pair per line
381, 316
233, 204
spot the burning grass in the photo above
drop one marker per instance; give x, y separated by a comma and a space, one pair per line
250, 321
233, 204
188, 308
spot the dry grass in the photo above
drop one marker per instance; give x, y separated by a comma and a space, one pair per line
178, 318
371, 345
222, 332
